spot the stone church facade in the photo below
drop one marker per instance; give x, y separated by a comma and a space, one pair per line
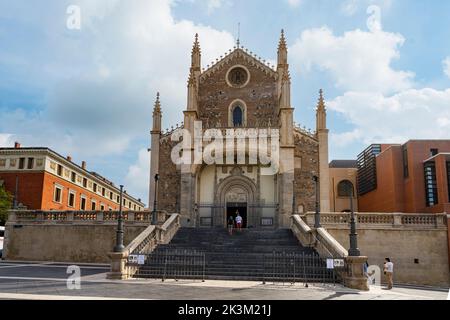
241, 91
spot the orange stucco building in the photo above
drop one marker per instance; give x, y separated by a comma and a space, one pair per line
409, 178
41, 179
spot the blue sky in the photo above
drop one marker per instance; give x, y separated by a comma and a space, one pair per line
90, 92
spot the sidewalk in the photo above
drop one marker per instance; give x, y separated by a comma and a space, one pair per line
49, 282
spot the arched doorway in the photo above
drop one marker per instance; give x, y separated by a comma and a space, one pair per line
236, 202
236, 193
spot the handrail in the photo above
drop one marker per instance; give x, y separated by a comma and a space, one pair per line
147, 241
323, 241
170, 221
139, 240
329, 242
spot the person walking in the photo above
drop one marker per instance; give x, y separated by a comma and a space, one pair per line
239, 221
230, 225
389, 272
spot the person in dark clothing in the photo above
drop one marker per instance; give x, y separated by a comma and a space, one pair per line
230, 225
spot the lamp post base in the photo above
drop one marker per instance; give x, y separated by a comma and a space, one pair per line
118, 266
355, 277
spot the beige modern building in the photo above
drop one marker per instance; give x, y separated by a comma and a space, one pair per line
240, 91
343, 177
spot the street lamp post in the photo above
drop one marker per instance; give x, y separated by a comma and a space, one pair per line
119, 234
354, 250
155, 202
317, 213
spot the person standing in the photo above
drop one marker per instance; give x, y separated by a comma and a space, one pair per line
389, 272
239, 221
230, 225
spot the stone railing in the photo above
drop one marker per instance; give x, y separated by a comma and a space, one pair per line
319, 239
84, 217
379, 220
302, 231
143, 244
329, 248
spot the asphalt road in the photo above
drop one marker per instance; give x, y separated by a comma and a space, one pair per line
49, 281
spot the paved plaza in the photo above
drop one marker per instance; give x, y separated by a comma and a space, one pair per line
48, 281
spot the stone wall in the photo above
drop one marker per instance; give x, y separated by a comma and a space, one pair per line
169, 178
418, 245
306, 163
77, 243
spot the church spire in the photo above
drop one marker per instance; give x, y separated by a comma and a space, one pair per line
321, 113
282, 51
157, 115
196, 55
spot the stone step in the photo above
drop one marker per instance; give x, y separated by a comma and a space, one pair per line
246, 255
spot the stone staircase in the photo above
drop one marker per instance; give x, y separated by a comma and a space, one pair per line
247, 255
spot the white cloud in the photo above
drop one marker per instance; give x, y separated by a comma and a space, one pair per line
446, 65
344, 139
100, 83
410, 114
5, 140
294, 3
357, 60
381, 104
214, 4
351, 7
137, 178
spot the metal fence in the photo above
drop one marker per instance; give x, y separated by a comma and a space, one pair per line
294, 267
172, 264
275, 267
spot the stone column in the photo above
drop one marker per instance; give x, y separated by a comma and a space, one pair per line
286, 186
354, 277
324, 171
186, 205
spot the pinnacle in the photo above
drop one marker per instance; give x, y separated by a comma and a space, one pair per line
282, 44
321, 102
157, 108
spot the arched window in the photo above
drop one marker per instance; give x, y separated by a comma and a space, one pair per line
345, 189
237, 116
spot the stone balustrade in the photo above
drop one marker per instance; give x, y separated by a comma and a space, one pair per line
379, 220
76, 217
143, 244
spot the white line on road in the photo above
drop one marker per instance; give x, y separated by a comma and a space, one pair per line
44, 265
21, 296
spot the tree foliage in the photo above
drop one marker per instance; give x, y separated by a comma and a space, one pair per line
5, 205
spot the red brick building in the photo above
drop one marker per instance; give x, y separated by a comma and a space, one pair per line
410, 178
41, 179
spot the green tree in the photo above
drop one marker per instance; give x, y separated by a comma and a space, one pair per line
5, 205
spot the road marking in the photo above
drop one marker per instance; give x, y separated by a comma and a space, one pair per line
21, 296
45, 265
49, 279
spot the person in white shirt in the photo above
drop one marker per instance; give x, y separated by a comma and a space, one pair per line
239, 221
389, 272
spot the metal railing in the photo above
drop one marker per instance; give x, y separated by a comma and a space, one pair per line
172, 264
275, 267
293, 268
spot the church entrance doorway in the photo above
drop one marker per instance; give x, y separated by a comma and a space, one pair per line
234, 208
